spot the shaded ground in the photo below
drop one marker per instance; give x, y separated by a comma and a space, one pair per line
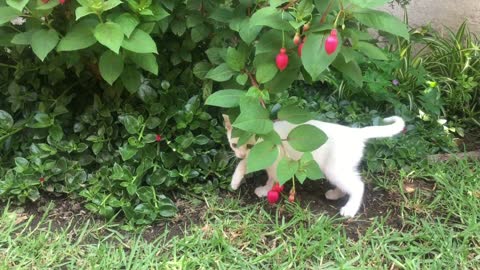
377, 202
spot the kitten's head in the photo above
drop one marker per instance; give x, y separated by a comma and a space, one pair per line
240, 151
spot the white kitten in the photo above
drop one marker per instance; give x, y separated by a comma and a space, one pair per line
338, 158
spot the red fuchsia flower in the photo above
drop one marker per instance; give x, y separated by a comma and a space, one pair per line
41, 179
332, 42
282, 59
276, 187
158, 137
273, 197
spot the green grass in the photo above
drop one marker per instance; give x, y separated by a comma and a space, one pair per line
439, 229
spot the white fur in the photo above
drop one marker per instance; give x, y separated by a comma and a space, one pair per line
338, 158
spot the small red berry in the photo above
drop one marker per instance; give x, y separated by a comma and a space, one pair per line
282, 59
332, 42
61, 2
42, 179
296, 39
306, 27
276, 187
291, 198
158, 138
273, 197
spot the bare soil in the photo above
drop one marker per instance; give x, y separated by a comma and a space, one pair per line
377, 202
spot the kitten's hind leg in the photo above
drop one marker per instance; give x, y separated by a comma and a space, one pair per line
351, 184
334, 194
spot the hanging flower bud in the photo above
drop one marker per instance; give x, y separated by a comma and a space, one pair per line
282, 59
296, 39
332, 42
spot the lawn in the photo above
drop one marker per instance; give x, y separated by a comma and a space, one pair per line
426, 218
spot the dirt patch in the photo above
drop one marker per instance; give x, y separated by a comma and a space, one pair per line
377, 202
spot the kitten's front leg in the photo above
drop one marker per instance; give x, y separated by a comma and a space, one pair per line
262, 191
239, 173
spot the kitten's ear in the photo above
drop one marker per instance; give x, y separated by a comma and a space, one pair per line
226, 121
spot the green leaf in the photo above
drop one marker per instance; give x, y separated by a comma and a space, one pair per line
7, 14
221, 73
140, 42
79, 37
111, 66
314, 57
271, 17
146, 61
294, 115
272, 136
306, 138
17, 4
43, 42
225, 98
286, 169
131, 79
236, 59
382, 21
253, 117
128, 22
201, 69
6, 120
110, 35
131, 123
350, 70
127, 152
310, 167
200, 32
167, 208
371, 51
24, 38
110, 4
276, 3
262, 155
369, 3
21, 164
304, 9
266, 71
242, 79
248, 31
81, 12
56, 132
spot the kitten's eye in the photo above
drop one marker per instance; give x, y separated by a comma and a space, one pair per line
249, 146
234, 145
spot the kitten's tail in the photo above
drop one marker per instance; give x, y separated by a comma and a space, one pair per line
396, 126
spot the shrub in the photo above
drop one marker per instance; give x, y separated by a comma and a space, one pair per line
95, 81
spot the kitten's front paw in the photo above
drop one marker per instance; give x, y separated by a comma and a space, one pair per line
262, 191
348, 212
235, 184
